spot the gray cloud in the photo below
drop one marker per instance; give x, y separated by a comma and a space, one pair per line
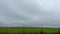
29, 13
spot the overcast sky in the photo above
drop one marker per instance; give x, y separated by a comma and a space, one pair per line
35, 13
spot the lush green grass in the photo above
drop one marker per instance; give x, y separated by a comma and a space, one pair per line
15, 29
3, 29
11, 29
32, 29
50, 30
27, 29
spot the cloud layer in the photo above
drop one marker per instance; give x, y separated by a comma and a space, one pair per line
30, 13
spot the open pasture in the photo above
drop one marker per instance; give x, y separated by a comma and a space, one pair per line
28, 29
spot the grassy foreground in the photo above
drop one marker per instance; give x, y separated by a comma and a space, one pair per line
28, 29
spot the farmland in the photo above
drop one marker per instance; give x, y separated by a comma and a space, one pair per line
28, 29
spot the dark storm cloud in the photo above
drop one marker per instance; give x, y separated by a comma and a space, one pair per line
30, 12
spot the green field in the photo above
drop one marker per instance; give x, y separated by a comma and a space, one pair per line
28, 29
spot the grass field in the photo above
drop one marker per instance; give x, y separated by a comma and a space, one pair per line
28, 29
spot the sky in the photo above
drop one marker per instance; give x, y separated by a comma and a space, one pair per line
30, 13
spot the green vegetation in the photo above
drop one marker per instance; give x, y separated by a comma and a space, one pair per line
3, 29
27, 29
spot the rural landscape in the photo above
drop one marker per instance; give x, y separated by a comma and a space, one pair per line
29, 30
29, 16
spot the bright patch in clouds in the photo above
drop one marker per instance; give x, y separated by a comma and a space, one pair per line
37, 13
